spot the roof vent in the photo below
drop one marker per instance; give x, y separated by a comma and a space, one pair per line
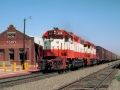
11, 27
55, 28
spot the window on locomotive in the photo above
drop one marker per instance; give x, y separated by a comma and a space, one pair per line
82, 42
66, 38
59, 33
56, 35
50, 33
59, 36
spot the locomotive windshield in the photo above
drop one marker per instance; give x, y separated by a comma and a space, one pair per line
55, 34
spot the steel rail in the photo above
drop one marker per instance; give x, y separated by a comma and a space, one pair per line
99, 84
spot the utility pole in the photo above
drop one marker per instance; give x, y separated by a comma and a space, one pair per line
23, 65
24, 39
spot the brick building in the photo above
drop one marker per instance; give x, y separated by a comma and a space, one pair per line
12, 47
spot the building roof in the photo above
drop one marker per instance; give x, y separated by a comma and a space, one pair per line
38, 40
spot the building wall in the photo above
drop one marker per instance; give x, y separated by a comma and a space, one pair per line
13, 39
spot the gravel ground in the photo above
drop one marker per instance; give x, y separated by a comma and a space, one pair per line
115, 85
53, 83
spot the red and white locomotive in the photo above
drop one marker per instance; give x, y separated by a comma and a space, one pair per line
64, 50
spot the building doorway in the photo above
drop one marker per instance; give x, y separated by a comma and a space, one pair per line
2, 54
11, 54
22, 55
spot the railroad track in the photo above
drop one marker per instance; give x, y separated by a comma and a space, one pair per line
99, 80
9, 82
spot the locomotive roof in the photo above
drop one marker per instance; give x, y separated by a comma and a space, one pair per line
68, 34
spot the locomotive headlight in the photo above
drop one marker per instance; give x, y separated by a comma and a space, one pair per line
54, 32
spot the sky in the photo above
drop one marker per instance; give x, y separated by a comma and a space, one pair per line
95, 20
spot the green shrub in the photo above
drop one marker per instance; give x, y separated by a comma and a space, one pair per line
118, 78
